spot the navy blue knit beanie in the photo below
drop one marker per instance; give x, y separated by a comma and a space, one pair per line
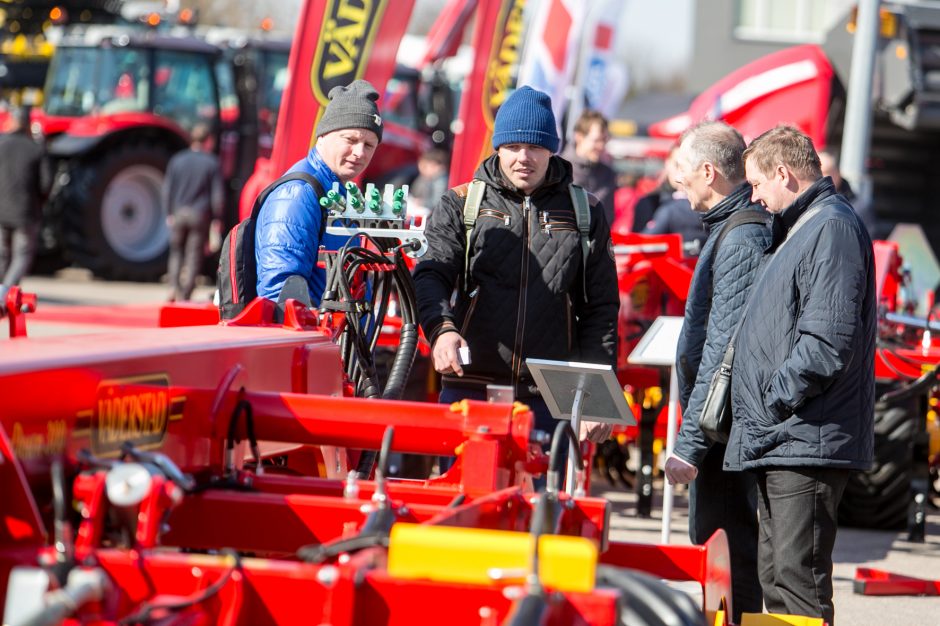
526, 117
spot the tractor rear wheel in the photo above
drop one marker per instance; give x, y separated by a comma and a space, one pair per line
113, 220
879, 498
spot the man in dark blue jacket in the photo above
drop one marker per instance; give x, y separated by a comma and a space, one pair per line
711, 172
289, 227
803, 384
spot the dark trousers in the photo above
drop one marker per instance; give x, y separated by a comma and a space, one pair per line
187, 239
17, 250
728, 500
797, 533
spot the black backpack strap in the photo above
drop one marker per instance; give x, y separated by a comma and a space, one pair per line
303, 176
739, 218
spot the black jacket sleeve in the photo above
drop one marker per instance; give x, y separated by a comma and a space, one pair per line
441, 268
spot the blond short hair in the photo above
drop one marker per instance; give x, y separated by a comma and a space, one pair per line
788, 146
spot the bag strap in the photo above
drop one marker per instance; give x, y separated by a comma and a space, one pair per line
740, 218
471, 209
582, 214
302, 176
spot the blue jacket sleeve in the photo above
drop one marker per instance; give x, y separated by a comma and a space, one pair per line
287, 237
832, 282
734, 270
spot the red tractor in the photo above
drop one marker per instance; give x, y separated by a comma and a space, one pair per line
119, 101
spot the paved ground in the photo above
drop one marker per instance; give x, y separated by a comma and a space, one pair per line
854, 548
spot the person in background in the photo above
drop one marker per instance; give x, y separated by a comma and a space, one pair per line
646, 206
193, 197
674, 213
22, 184
431, 183
803, 383
829, 164
587, 156
711, 172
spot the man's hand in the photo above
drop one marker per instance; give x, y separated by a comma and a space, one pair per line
679, 472
444, 352
595, 432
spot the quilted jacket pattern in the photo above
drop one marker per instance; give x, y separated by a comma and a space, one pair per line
525, 295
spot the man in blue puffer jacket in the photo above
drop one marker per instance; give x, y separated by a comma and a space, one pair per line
803, 386
289, 230
711, 172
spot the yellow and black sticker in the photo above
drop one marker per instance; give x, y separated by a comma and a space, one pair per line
346, 37
136, 409
504, 58
32, 441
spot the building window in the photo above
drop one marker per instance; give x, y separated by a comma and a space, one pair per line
788, 21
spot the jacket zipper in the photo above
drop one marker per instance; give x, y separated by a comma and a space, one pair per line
569, 315
231, 263
523, 285
474, 298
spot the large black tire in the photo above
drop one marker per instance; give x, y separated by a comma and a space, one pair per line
648, 601
112, 219
879, 498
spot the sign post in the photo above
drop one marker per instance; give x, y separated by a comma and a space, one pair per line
658, 348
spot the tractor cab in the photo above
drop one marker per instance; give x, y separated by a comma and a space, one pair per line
105, 72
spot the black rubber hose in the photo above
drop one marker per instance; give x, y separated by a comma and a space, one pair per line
913, 388
401, 365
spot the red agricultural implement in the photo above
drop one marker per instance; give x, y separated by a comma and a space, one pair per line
201, 475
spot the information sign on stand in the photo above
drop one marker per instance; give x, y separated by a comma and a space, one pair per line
576, 391
657, 347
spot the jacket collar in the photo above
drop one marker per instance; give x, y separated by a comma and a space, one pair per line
784, 221
739, 199
323, 173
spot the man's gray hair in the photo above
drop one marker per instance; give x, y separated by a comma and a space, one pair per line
719, 144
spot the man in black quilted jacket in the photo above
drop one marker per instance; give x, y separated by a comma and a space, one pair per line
526, 292
803, 385
711, 172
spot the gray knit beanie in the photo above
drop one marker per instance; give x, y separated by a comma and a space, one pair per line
353, 106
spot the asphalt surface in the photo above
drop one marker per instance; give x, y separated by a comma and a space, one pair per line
885, 550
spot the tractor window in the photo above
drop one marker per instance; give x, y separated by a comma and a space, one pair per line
273, 80
185, 88
84, 81
228, 98
123, 81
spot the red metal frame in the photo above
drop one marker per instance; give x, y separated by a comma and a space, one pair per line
876, 582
